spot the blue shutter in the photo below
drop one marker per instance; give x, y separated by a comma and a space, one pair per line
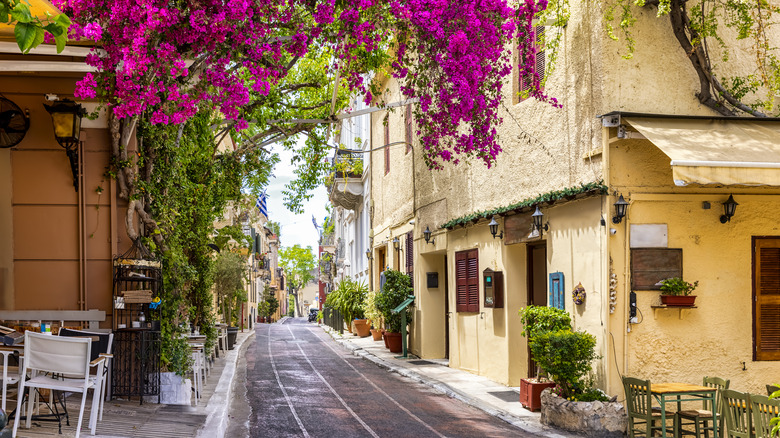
556, 290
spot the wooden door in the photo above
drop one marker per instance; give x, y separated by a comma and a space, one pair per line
766, 298
537, 286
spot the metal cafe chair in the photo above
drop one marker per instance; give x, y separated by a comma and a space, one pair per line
702, 419
48, 358
642, 418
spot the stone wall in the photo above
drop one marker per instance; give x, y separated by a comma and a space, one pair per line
600, 419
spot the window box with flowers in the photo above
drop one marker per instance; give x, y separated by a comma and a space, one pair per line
675, 292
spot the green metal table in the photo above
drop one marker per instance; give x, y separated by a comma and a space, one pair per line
681, 392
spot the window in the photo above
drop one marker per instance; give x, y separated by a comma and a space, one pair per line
766, 299
467, 281
527, 80
387, 142
408, 119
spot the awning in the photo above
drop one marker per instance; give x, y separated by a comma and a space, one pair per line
716, 151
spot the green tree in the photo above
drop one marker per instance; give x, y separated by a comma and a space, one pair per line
298, 263
275, 227
230, 270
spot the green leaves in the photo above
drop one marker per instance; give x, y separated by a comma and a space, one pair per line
29, 30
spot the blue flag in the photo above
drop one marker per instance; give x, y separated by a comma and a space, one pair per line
262, 204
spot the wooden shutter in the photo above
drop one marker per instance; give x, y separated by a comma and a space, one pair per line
467, 281
408, 120
539, 58
557, 293
410, 255
766, 313
387, 142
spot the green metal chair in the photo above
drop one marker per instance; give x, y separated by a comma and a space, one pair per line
702, 419
643, 420
736, 410
763, 409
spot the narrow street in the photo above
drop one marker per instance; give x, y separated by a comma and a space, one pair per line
301, 383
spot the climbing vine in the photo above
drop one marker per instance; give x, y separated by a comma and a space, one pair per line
186, 182
712, 33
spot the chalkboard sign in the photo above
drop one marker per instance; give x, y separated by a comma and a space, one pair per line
651, 265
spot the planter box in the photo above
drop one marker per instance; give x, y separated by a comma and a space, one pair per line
531, 393
678, 300
174, 390
597, 419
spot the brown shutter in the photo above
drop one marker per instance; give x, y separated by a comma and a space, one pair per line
410, 254
408, 128
387, 142
467, 281
526, 80
767, 299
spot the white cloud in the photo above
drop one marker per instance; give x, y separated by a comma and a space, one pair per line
295, 228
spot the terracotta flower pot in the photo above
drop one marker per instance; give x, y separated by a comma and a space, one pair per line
393, 341
362, 328
678, 300
377, 334
531, 393
384, 336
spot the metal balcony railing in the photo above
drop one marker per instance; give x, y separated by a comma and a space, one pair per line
348, 163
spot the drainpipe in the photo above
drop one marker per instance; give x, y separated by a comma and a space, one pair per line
82, 231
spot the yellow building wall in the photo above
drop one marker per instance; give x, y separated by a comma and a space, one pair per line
716, 337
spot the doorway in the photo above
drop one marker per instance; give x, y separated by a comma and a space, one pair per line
537, 286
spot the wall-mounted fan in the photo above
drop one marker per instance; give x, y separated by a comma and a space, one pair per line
13, 123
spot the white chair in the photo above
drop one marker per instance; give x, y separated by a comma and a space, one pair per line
196, 372
10, 376
101, 346
48, 358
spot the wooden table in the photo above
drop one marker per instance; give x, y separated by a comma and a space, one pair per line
679, 392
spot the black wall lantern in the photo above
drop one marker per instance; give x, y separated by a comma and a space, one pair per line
397, 247
66, 117
729, 207
427, 236
494, 228
538, 218
621, 205
368, 254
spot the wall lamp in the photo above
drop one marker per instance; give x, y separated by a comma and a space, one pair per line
494, 228
729, 207
538, 218
368, 254
66, 117
621, 205
427, 236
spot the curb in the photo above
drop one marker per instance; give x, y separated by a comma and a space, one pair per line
526, 426
217, 407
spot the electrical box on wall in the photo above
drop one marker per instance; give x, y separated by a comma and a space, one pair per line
493, 285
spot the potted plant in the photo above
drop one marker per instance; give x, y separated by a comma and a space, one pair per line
373, 315
677, 292
537, 320
397, 289
348, 298
230, 271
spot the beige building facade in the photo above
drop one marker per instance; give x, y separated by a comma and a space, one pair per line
573, 164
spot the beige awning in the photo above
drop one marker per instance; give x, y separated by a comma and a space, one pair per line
716, 151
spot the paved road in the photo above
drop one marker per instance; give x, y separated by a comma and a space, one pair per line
301, 383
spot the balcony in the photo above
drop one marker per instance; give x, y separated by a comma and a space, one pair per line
346, 189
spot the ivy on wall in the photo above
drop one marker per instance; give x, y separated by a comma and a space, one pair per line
597, 187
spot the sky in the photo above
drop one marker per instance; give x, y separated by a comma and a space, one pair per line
295, 228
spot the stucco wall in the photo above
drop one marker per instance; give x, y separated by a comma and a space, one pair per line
716, 337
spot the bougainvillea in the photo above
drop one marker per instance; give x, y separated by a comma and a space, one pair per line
166, 60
